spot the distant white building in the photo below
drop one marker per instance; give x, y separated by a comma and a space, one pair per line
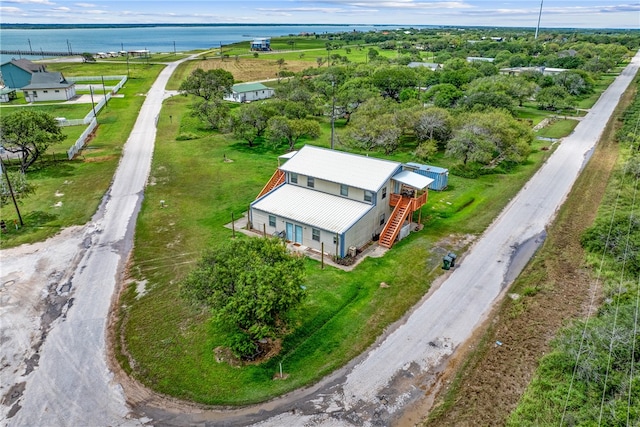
49, 87
7, 94
546, 71
479, 59
247, 92
430, 65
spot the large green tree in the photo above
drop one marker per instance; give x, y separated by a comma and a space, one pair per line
282, 129
215, 112
490, 138
392, 80
29, 133
250, 284
208, 84
250, 120
352, 94
376, 126
553, 97
443, 95
433, 124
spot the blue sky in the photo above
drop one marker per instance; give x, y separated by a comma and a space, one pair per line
573, 13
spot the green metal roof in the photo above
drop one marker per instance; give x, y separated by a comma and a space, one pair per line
248, 87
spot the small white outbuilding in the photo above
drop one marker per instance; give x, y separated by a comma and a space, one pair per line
247, 92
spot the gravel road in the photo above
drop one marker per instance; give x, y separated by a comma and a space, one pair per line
54, 369
55, 298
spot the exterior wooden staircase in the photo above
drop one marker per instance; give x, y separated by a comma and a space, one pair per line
276, 180
393, 226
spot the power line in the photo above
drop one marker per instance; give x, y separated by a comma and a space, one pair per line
592, 297
617, 310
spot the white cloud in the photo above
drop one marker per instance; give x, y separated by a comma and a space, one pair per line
47, 2
85, 5
290, 10
10, 10
398, 4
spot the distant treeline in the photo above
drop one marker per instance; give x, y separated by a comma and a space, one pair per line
70, 26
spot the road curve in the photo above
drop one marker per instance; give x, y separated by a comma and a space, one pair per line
71, 384
378, 386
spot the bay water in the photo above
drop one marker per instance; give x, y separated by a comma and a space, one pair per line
156, 38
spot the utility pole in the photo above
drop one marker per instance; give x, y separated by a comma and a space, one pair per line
104, 91
539, 16
13, 197
92, 104
333, 111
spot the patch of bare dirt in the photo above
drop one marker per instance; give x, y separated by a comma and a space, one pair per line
487, 377
252, 69
98, 159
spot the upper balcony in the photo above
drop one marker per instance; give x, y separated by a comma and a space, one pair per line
416, 202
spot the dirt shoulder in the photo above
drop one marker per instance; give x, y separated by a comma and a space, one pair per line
487, 379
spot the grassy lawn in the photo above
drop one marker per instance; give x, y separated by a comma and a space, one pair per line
69, 192
172, 343
56, 109
558, 129
531, 112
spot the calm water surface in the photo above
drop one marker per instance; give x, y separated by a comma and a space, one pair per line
156, 39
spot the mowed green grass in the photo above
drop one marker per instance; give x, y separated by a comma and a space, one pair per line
69, 192
172, 342
558, 128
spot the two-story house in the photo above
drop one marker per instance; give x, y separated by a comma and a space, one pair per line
17, 73
338, 201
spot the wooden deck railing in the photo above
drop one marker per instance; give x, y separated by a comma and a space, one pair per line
416, 202
276, 179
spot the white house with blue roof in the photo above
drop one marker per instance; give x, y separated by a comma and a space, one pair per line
337, 199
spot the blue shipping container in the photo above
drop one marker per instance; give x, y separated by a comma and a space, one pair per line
440, 176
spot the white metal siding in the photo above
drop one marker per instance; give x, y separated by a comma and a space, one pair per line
63, 94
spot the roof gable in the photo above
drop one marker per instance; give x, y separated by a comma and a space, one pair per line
48, 81
367, 173
26, 65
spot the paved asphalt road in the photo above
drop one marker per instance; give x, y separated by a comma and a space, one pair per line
72, 384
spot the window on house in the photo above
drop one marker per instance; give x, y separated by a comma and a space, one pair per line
272, 221
315, 234
344, 190
368, 196
381, 219
294, 178
310, 181
57, 91
45, 91
384, 192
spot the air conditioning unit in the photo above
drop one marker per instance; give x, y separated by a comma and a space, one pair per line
352, 251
